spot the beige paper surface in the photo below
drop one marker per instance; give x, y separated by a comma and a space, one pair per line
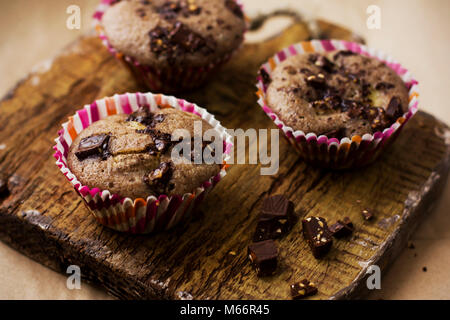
414, 32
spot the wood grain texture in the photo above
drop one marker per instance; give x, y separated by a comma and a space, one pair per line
44, 218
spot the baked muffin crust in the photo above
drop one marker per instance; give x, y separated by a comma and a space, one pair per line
337, 94
180, 32
130, 155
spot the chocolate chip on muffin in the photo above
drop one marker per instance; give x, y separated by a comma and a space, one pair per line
337, 94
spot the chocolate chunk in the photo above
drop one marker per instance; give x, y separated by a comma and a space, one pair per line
424, 269
316, 233
146, 118
179, 40
96, 145
266, 79
394, 108
343, 53
316, 81
276, 218
3, 185
234, 7
303, 289
367, 215
342, 228
158, 179
325, 64
263, 256
384, 86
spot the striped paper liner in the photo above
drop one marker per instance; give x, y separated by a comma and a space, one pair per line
348, 152
169, 80
126, 214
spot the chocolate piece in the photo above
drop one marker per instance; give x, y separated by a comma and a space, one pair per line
384, 86
343, 53
146, 118
367, 215
316, 81
265, 76
394, 108
316, 233
325, 64
171, 9
158, 179
424, 269
178, 41
93, 146
276, 218
342, 228
234, 7
263, 256
3, 185
303, 289
161, 141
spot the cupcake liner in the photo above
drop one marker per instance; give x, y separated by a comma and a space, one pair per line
169, 80
349, 152
126, 214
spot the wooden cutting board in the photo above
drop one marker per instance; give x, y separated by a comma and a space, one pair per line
45, 219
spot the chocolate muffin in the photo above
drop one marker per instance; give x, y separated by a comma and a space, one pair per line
130, 155
174, 37
337, 94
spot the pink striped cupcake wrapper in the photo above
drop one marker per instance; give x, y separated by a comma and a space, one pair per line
168, 80
136, 215
348, 152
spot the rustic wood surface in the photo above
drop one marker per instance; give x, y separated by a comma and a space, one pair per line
44, 218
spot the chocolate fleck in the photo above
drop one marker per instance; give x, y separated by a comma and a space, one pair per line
158, 179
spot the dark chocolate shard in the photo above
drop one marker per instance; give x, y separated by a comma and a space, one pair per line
146, 118
158, 179
3, 185
325, 64
276, 219
235, 8
263, 256
316, 233
303, 289
266, 79
367, 214
161, 141
394, 108
342, 228
96, 145
343, 53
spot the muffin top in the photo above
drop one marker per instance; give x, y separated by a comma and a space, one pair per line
180, 32
130, 155
337, 94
